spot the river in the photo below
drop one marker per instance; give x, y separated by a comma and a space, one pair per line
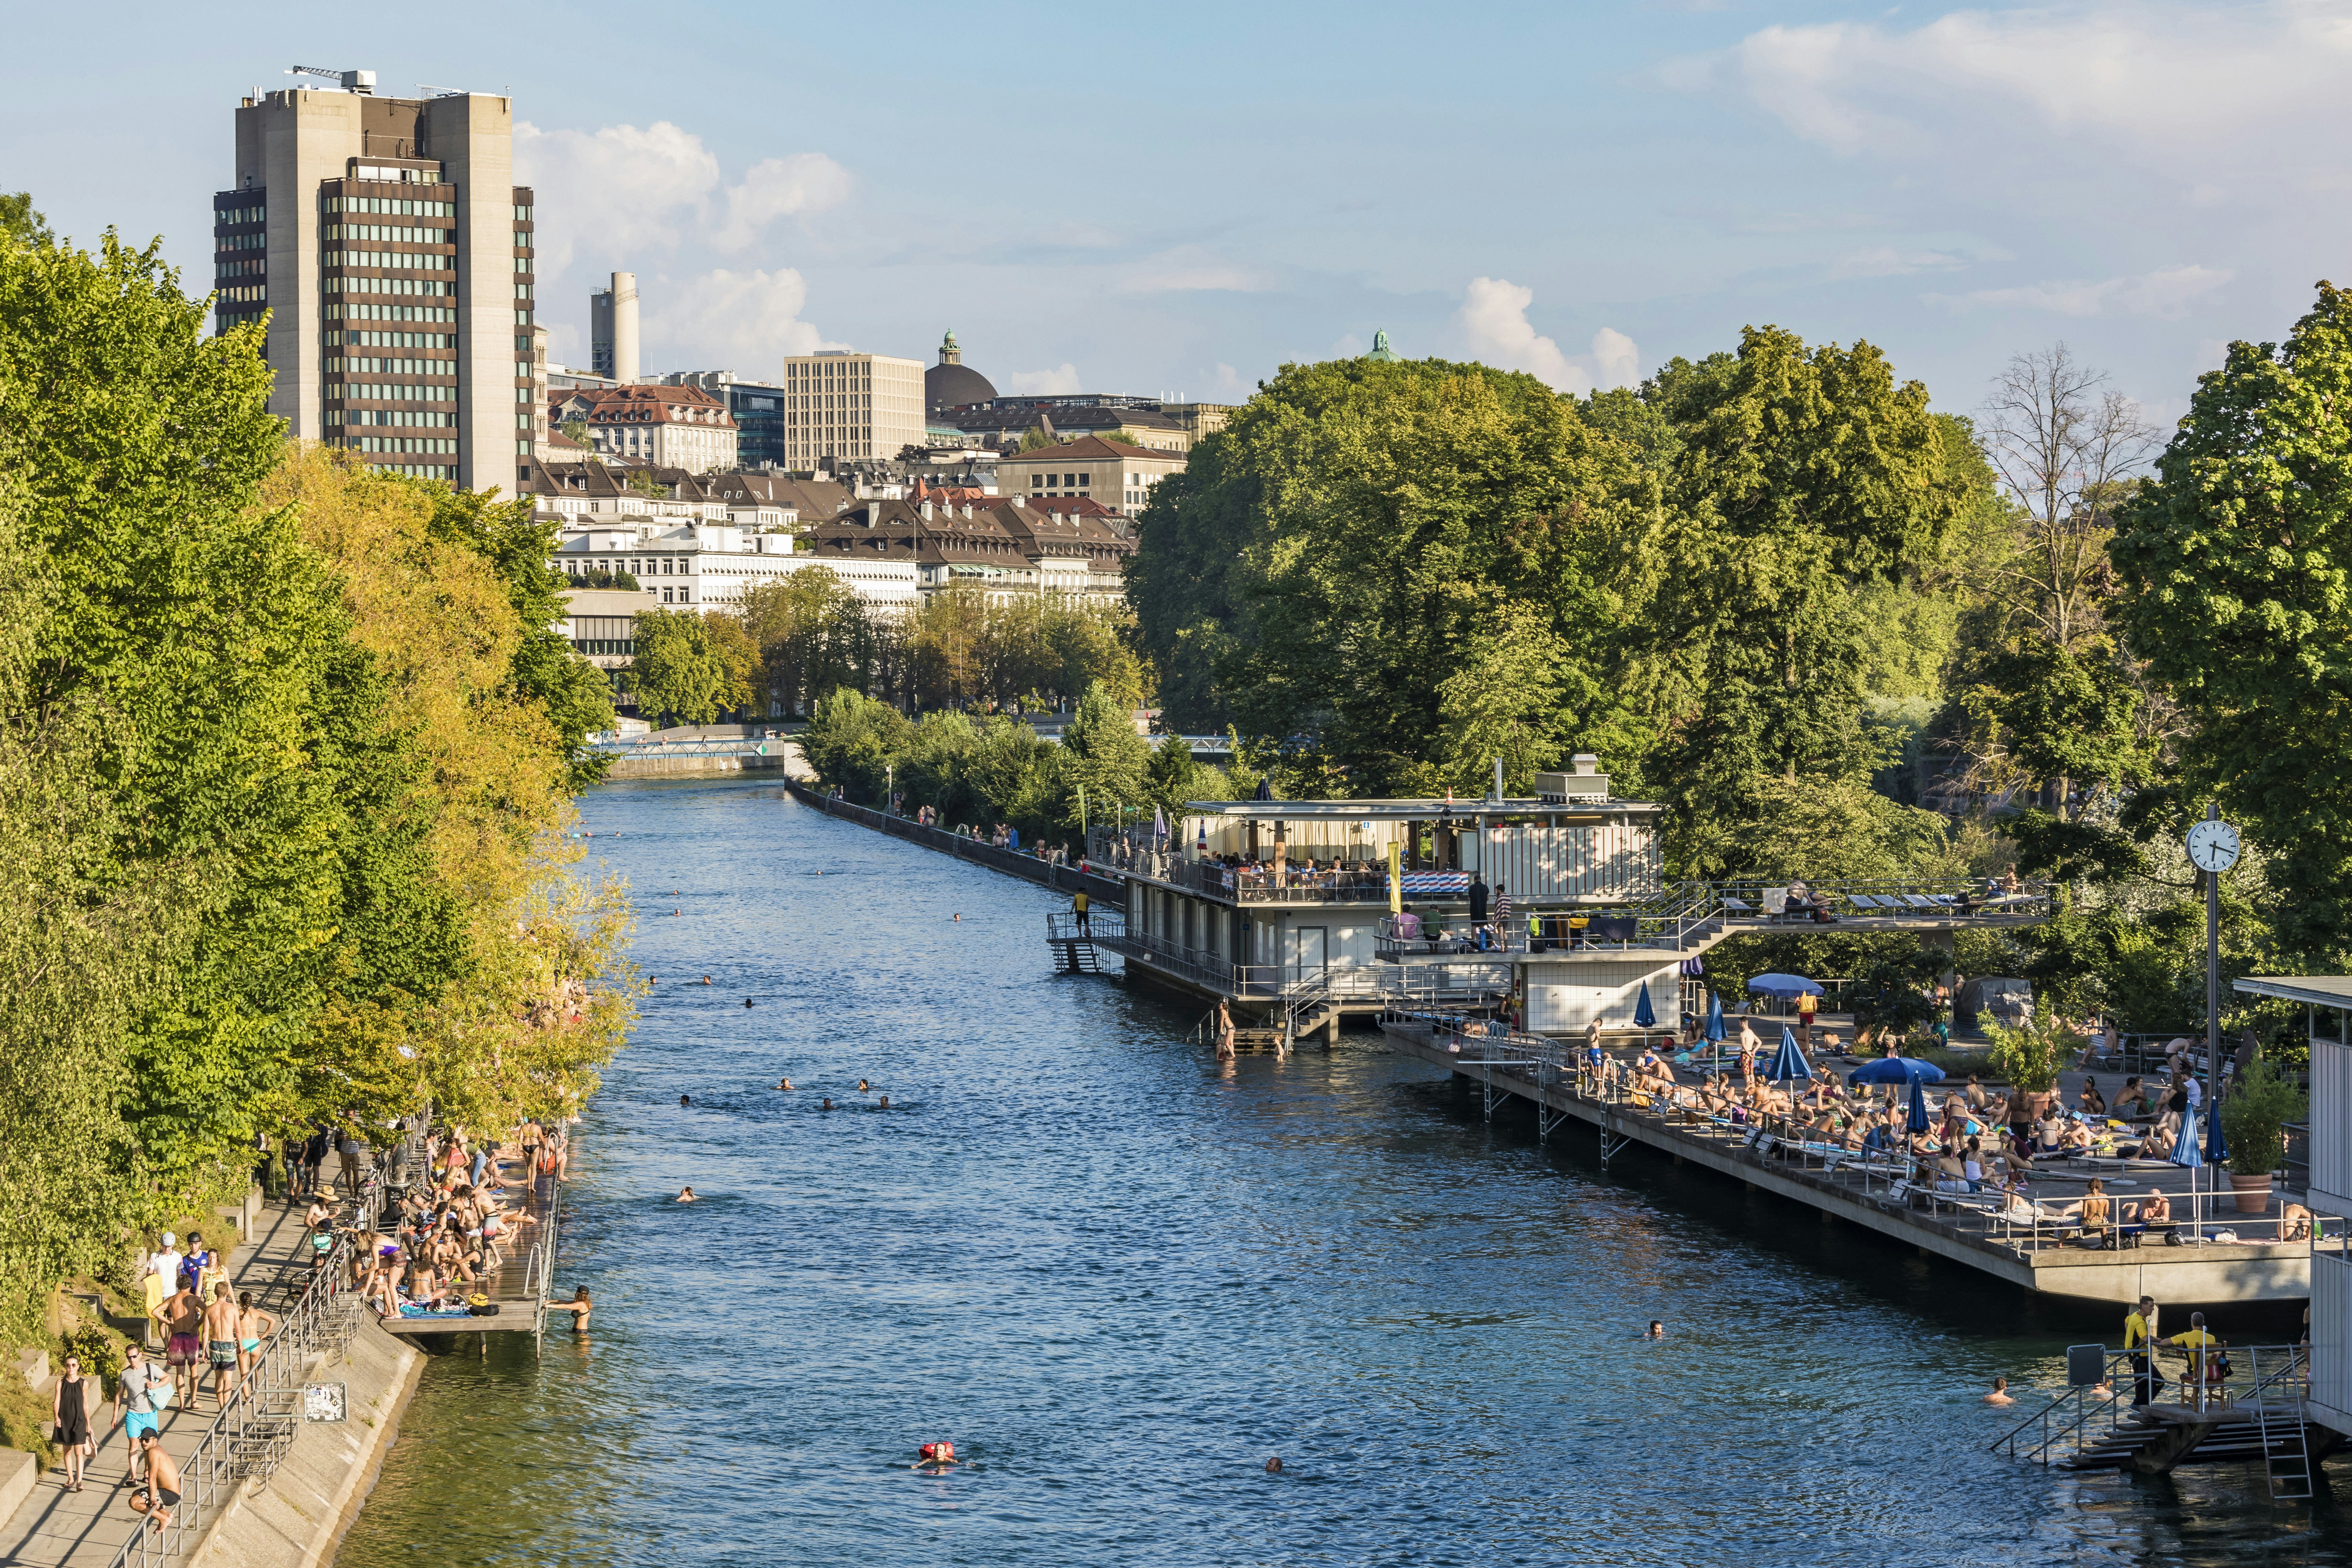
1119, 1279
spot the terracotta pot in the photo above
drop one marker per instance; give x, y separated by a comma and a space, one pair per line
2254, 1192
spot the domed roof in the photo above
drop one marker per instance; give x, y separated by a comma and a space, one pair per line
950, 386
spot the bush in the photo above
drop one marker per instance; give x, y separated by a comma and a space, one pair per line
2253, 1115
100, 1349
2029, 1057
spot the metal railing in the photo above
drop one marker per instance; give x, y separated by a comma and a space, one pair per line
250, 1438
2090, 1414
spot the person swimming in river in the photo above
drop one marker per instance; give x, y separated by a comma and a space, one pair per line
861, 1086
686, 1197
935, 1457
828, 1105
783, 1083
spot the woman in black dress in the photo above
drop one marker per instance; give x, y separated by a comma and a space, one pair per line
71, 1406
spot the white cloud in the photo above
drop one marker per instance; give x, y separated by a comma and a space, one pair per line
797, 187
1888, 261
1044, 383
2165, 293
1191, 270
621, 191
2164, 82
743, 321
1494, 320
1229, 380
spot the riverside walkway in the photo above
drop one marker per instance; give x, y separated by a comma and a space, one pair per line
220, 1454
1886, 1197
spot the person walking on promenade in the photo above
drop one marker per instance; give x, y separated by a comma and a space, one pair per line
314, 1158
347, 1146
183, 1316
220, 1340
1078, 907
253, 1327
73, 1407
143, 1392
1478, 900
163, 1493
1502, 915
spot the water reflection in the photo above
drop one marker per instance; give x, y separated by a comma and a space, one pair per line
1118, 1277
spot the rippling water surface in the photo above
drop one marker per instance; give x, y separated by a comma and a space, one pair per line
1119, 1279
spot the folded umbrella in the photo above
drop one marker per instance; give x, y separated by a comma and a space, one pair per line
1715, 1017
1644, 1017
1788, 1062
1918, 1117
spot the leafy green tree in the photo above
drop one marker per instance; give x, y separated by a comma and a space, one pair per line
576, 431
546, 668
676, 674
1803, 477
642, 482
812, 634
19, 224
1014, 775
1101, 753
2235, 564
852, 740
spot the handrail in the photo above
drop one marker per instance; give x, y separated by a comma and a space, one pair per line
250, 1436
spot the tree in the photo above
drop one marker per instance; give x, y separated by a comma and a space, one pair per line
642, 482
813, 635
739, 661
576, 431
19, 224
1802, 477
2235, 563
2048, 692
1103, 754
851, 741
676, 673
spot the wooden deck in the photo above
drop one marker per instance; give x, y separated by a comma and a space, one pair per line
2212, 1274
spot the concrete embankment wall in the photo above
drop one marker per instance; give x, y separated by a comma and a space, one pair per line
298, 1517
1102, 889
783, 756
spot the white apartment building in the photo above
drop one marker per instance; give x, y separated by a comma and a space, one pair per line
669, 426
843, 405
681, 562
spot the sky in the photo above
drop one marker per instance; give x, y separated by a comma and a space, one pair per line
1179, 200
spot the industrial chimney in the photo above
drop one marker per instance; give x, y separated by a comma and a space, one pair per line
612, 329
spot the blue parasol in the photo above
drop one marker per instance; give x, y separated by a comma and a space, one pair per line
1788, 1062
2184, 1147
2216, 1148
1784, 985
1896, 1070
1715, 1017
1643, 1016
1918, 1118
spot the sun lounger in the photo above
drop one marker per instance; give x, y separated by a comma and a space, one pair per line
1862, 901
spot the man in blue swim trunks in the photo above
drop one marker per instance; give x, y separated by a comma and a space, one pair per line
137, 1396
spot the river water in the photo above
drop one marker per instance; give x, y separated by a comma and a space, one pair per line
1119, 1279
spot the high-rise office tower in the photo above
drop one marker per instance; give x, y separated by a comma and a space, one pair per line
389, 243
613, 330
844, 405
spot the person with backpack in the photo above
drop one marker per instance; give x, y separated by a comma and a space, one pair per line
142, 1394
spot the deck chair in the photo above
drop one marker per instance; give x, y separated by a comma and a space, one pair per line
1919, 900
1862, 901
1740, 906
1776, 902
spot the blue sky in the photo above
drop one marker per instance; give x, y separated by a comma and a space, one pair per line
1179, 199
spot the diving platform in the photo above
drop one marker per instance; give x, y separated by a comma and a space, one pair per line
1889, 1197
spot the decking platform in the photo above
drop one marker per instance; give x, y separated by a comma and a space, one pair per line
2211, 1273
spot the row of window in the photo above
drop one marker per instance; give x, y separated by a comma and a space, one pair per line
388, 233
341, 338
253, 268
390, 207
402, 444
355, 311
380, 366
249, 293
241, 242
399, 417
225, 216
433, 287
419, 470
416, 261
606, 647
394, 392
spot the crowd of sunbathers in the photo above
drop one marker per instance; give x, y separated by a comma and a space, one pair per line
1985, 1147
449, 1233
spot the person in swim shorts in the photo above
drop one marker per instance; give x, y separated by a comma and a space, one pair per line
137, 1392
253, 1326
182, 1315
220, 1340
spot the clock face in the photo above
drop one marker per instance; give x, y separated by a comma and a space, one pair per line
2213, 846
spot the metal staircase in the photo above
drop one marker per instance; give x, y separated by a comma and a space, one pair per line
1072, 939
2265, 1420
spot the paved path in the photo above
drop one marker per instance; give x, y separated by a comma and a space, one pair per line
86, 1528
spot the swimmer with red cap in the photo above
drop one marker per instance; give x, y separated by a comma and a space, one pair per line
939, 1454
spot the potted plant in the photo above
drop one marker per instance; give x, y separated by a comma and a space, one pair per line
2254, 1115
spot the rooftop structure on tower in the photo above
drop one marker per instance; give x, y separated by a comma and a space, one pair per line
951, 384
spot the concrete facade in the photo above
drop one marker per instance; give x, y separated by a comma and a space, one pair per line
851, 406
397, 279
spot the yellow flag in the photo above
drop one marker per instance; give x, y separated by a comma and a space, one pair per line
1396, 879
